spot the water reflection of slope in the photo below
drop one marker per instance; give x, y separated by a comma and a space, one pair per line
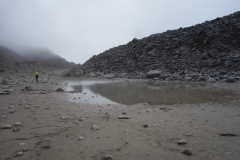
163, 93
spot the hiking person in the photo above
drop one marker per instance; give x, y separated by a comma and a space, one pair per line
36, 75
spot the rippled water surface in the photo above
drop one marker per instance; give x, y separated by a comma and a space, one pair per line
133, 92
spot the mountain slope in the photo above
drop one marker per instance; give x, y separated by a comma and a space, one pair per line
46, 56
206, 51
9, 55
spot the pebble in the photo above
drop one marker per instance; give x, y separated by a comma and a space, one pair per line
107, 157
21, 144
6, 126
189, 134
145, 125
187, 152
182, 141
19, 154
123, 117
94, 127
63, 118
81, 119
25, 149
18, 124
11, 111
81, 138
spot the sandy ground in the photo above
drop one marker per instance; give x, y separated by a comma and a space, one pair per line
51, 128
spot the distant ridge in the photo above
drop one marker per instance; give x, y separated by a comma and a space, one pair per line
41, 55
9, 55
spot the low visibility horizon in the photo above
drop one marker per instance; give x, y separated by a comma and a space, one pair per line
76, 30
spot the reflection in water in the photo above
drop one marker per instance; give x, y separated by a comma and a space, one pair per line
125, 92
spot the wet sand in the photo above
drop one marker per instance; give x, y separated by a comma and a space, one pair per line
51, 128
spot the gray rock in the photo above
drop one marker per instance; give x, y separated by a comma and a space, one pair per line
153, 73
230, 81
19, 154
182, 141
145, 125
11, 111
94, 127
187, 152
107, 157
211, 80
123, 117
6, 126
81, 119
109, 76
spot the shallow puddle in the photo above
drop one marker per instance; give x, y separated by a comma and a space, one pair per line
133, 92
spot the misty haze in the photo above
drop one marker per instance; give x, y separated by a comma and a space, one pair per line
129, 79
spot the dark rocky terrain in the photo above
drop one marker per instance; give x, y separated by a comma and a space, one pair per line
209, 51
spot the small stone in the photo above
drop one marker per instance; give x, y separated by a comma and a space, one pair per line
64, 118
21, 144
6, 126
25, 150
94, 127
145, 125
123, 117
189, 134
124, 113
81, 138
19, 154
187, 152
18, 124
107, 157
11, 111
81, 119
182, 141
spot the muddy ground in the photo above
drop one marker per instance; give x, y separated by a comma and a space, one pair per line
51, 128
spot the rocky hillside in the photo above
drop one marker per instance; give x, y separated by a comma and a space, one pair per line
47, 57
9, 55
209, 51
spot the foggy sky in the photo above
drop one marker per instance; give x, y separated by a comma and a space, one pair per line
78, 29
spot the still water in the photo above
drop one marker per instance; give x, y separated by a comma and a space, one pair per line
134, 92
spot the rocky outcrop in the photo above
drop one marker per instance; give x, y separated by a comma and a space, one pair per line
75, 71
209, 51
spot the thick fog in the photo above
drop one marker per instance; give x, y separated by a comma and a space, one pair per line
79, 29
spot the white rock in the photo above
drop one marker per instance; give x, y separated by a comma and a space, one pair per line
18, 124
94, 127
6, 126
182, 141
107, 157
63, 118
19, 154
81, 138
21, 144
